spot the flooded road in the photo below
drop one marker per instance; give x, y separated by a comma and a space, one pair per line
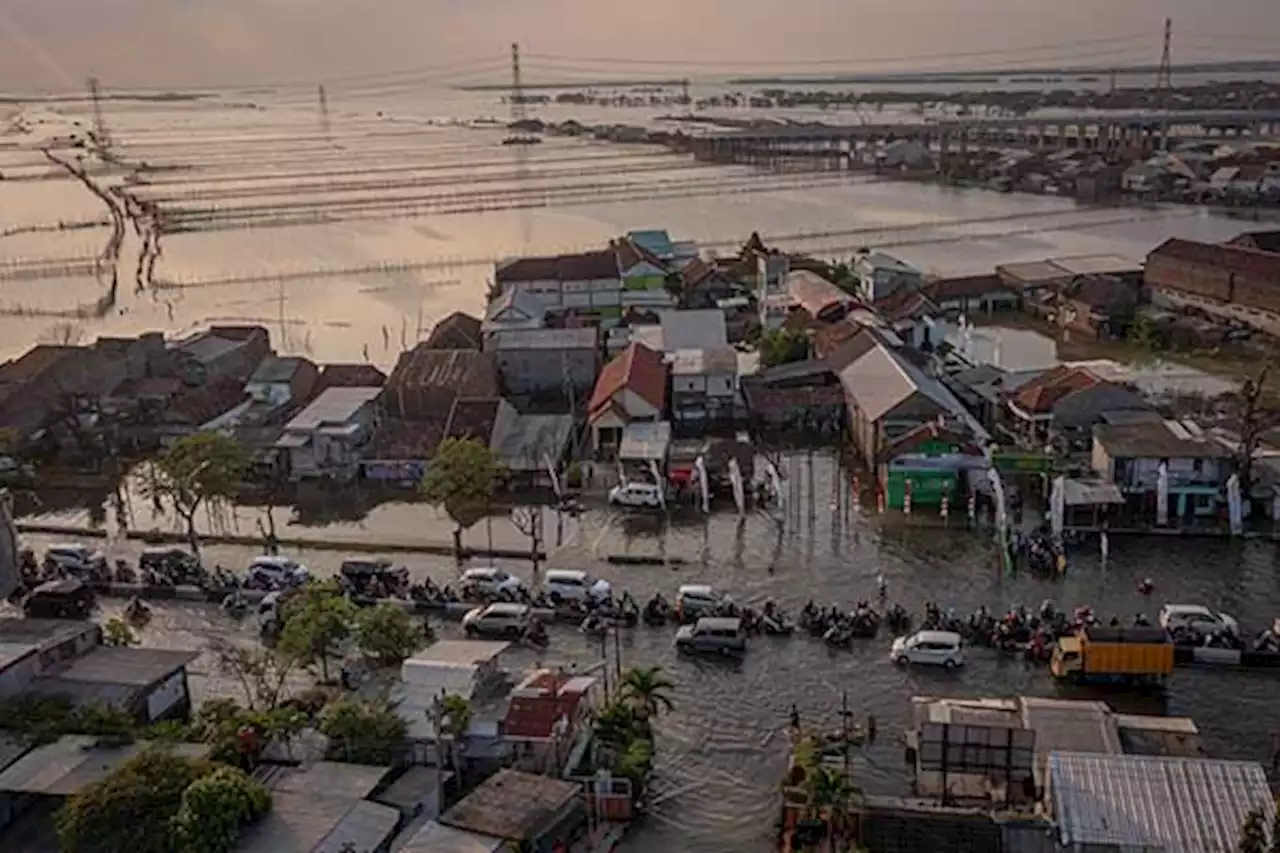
721, 751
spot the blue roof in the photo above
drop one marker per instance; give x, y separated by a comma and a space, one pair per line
657, 242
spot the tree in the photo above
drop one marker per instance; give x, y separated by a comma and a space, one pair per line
117, 632
130, 809
215, 808
317, 622
646, 687
615, 725
1256, 418
387, 634
1253, 834
461, 479
261, 673
204, 469
783, 346
364, 732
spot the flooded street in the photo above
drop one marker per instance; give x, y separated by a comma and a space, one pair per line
721, 752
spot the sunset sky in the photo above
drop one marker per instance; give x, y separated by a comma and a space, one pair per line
182, 43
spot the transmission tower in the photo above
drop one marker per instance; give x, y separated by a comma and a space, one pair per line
518, 113
325, 129
99, 123
1164, 77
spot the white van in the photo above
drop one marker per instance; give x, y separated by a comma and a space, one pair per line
937, 648
636, 496
573, 585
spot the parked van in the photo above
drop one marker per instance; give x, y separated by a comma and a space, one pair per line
636, 496
695, 600
574, 585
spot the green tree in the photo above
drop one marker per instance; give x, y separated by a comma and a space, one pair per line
783, 346
456, 715
117, 632
461, 480
318, 621
387, 634
363, 732
130, 809
646, 688
214, 810
615, 725
199, 470
261, 673
635, 763
1253, 834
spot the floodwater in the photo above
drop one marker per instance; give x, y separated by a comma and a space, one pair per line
349, 237
721, 751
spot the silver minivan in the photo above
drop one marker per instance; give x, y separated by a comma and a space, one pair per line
714, 635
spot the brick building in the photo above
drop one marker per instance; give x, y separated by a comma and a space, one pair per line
1231, 281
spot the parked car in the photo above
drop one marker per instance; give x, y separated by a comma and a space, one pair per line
937, 648
636, 496
490, 581
67, 598
175, 563
502, 619
573, 585
1202, 619
274, 572
77, 559
713, 635
696, 600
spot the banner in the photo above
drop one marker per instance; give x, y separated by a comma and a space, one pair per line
739, 489
1058, 506
700, 465
1235, 505
1162, 495
659, 481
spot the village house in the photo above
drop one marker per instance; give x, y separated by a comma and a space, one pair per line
547, 362
971, 295
888, 396
350, 376
931, 463
221, 352
1031, 404
703, 285
456, 331
326, 439
547, 712
803, 396
528, 445
1074, 416
819, 299
514, 309
1097, 306
631, 389
704, 386
880, 274
1232, 282
1131, 454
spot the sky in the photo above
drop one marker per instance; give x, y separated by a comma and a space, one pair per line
56, 44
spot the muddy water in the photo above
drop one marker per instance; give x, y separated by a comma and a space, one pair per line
720, 752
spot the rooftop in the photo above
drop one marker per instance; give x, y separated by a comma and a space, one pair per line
42, 632
638, 369
350, 376
449, 372
700, 329
817, 296
438, 838
320, 809
1157, 440
644, 441
119, 665
1176, 805
523, 442
1238, 259
278, 368
584, 266
548, 339
456, 331
704, 362
70, 763
1098, 265
514, 806
459, 653
333, 406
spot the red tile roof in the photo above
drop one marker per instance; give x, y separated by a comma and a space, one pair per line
1238, 259
639, 369
1038, 396
932, 431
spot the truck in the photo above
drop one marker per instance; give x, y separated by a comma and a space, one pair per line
1114, 656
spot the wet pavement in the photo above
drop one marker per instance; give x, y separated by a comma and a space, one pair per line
720, 752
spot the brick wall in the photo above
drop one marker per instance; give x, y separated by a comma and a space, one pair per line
1189, 277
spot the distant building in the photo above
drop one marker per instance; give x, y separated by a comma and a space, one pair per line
632, 388
514, 309
326, 439
1198, 465
880, 274
704, 386
1233, 282
820, 299
426, 382
221, 352
547, 362
456, 331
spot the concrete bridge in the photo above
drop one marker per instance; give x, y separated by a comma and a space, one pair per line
1134, 132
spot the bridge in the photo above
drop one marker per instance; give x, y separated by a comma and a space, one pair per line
1135, 132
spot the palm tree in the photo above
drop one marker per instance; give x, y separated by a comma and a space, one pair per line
646, 687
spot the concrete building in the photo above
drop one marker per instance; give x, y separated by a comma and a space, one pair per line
1233, 282
547, 362
631, 389
325, 440
1130, 455
880, 274
514, 309
232, 352
704, 386
821, 300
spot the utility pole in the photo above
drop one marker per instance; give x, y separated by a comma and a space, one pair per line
684, 96
1164, 77
99, 123
325, 128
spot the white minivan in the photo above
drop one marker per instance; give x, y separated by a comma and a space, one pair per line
490, 581
636, 496
573, 585
936, 648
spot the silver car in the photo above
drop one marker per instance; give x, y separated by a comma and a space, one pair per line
713, 635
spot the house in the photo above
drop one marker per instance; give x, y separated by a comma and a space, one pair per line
426, 381
1131, 454
456, 331
281, 380
888, 396
803, 395
326, 438
1232, 282
971, 295
632, 388
1262, 241
704, 285
349, 376
1076, 414
508, 812
905, 154
526, 444
983, 390
1097, 306
660, 245
148, 685
880, 274
547, 711
32, 648
546, 362
201, 408
325, 807
644, 272
514, 309
930, 462
821, 300
221, 352
1145, 177
588, 280
704, 386
1031, 404
1035, 282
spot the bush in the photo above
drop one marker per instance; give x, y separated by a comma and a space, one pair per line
386, 634
214, 809
363, 732
43, 719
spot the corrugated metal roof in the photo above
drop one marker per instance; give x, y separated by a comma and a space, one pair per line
645, 441
136, 667
696, 329
333, 406
704, 362
368, 826
518, 339
1178, 805
70, 763
522, 442
513, 805
438, 838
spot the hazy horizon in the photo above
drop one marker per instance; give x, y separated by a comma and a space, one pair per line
55, 44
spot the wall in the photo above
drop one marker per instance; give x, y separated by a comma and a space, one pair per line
544, 370
1165, 272
1144, 474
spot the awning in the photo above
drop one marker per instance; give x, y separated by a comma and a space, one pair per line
1091, 493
